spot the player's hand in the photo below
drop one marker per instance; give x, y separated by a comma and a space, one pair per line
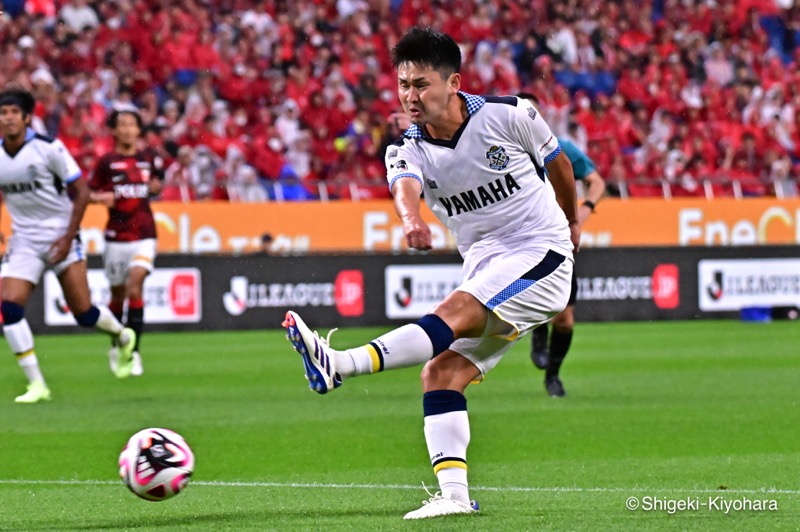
418, 235
575, 236
155, 187
59, 250
103, 198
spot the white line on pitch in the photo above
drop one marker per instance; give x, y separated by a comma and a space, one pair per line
318, 485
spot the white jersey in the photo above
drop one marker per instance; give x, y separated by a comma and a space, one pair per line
488, 183
33, 183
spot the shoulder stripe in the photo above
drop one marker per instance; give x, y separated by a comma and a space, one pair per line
508, 100
44, 138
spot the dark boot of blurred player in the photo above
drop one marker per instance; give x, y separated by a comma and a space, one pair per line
123, 180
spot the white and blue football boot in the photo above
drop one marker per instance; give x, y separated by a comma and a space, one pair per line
318, 357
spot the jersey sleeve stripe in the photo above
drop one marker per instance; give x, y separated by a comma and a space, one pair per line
72, 178
553, 155
395, 178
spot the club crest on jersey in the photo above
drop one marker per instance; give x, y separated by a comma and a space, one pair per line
400, 165
498, 158
532, 113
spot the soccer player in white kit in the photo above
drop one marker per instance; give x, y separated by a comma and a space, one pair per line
491, 170
37, 178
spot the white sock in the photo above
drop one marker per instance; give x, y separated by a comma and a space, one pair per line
447, 436
30, 366
106, 322
453, 484
20, 339
19, 336
404, 347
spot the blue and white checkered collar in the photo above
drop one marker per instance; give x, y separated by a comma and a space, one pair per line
473, 104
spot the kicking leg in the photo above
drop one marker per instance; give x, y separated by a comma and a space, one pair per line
460, 315
117, 307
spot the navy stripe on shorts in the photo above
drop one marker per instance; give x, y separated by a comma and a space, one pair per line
548, 265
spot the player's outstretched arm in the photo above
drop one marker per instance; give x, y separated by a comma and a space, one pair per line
101, 197
559, 171
407, 203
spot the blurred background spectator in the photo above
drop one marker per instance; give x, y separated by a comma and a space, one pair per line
251, 100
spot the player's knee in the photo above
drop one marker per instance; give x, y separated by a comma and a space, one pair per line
88, 318
565, 321
430, 374
134, 287
12, 312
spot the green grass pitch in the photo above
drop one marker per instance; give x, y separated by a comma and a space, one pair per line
671, 411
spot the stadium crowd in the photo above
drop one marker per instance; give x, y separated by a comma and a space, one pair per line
669, 97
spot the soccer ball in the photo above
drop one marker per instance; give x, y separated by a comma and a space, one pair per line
156, 464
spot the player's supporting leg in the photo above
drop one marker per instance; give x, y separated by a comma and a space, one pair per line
136, 322
18, 334
447, 433
76, 291
560, 340
135, 293
539, 346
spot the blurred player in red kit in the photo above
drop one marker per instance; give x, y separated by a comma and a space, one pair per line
123, 180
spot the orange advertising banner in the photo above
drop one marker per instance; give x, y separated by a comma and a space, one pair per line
373, 226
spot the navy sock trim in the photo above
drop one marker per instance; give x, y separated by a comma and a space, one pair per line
443, 401
12, 312
89, 318
438, 331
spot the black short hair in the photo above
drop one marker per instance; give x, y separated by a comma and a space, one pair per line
19, 97
528, 96
114, 116
429, 48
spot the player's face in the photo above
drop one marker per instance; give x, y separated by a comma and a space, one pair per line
127, 130
423, 92
12, 121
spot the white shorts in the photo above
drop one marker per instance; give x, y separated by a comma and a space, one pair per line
120, 257
28, 259
523, 290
